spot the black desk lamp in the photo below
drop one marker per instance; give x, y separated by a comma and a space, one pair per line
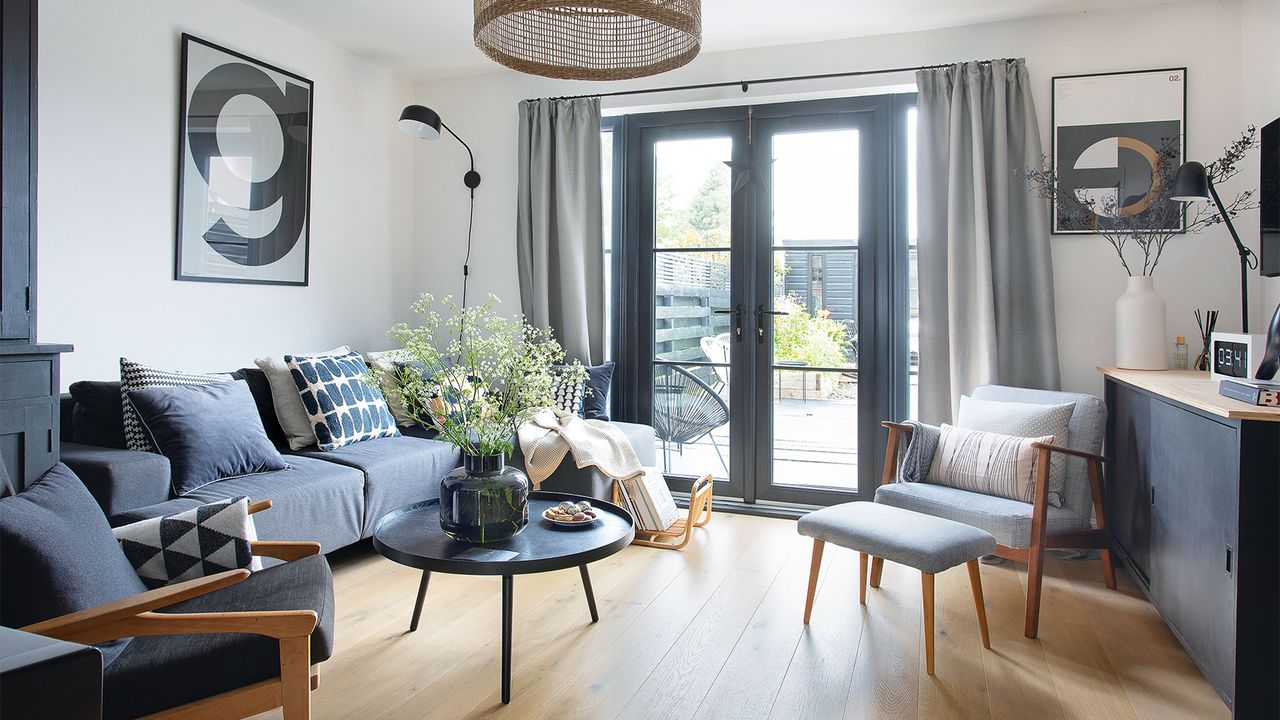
1193, 183
422, 122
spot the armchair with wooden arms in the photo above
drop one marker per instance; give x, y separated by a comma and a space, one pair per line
229, 645
1023, 532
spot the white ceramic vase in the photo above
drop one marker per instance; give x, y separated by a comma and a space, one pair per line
1140, 327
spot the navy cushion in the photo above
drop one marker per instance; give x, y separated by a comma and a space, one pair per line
599, 380
161, 672
208, 432
260, 387
58, 555
98, 417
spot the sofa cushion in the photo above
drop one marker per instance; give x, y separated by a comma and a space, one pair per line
599, 380
97, 418
58, 556
287, 403
209, 432
190, 544
161, 672
311, 500
260, 388
343, 406
1008, 520
136, 376
1023, 420
987, 462
397, 470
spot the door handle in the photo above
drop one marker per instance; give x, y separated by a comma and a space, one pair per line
736, 312
760, 313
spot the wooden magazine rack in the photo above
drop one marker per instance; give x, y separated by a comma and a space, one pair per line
680, 532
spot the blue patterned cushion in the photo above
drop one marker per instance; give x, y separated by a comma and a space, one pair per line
343, 407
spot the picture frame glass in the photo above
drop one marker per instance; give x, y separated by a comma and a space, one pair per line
244, 169
1111, 132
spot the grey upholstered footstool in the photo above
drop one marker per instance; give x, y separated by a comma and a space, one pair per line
929, 544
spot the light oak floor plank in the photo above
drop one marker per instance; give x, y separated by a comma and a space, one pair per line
715, 632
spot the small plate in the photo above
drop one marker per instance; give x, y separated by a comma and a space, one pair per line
568, 523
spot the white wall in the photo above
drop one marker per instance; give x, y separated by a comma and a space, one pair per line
108, 138
1196, 272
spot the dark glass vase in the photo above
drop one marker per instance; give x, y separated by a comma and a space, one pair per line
484, 501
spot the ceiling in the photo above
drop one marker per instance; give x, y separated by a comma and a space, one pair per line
428, 39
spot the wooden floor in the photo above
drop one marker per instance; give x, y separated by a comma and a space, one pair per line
715, 631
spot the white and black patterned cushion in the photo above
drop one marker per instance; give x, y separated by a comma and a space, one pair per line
571, 396
344, 408
204, 540
136, 376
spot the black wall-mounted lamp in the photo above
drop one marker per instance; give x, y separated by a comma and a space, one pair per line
419, 121
1193, 183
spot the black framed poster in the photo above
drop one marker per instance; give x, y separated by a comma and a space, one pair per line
1110, 133
244, 169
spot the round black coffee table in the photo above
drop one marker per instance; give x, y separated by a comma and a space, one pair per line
412, 536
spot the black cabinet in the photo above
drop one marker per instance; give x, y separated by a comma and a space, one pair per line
18, 170
29, 382
29, 410
45, 678
1193, 504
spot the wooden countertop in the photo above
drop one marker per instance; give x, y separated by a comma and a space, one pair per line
1194, 388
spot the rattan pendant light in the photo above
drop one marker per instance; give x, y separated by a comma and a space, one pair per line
589, 39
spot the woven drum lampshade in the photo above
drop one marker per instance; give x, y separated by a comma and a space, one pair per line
589, 39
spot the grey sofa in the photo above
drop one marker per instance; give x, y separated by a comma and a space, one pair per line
335, 498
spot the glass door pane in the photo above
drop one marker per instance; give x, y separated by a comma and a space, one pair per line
813, 384
691, 295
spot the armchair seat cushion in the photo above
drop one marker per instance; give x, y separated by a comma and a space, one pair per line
160, 672
1008, 520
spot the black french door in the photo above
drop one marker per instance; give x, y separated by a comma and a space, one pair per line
762, 305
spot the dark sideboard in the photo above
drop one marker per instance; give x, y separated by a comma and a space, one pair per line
1193, 504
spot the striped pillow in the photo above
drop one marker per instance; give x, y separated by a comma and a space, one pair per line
986, 462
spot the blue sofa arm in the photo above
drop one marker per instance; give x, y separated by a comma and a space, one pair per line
119, 480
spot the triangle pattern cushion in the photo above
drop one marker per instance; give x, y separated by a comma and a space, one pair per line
57, 555
204, 540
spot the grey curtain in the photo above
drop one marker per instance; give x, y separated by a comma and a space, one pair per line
559, 231
986, 274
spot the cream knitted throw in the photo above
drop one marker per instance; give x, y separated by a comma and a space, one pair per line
551, 434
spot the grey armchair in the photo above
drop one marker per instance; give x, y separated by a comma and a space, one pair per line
1023, 531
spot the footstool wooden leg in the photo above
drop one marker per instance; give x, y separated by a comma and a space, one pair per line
975, 579
877, 566
862, 578
814, 566
926, 585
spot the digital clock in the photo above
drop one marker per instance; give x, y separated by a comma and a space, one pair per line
1234, 355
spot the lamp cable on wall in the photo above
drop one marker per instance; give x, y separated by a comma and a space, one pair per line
422, 122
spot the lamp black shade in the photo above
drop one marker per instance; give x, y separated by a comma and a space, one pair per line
1190, 183
420, 122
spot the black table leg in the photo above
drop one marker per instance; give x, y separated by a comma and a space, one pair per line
508, 590
591, 596
422, 595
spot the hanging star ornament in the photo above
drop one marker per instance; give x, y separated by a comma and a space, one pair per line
743, 170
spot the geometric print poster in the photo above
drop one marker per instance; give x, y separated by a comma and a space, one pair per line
244, 169
1109, 131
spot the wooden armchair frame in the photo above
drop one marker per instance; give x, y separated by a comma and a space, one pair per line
1097, 538
133, 616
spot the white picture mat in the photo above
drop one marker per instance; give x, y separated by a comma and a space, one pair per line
1127, 97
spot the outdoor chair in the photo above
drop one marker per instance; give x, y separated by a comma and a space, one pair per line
685, 409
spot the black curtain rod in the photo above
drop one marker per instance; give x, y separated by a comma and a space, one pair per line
746, 84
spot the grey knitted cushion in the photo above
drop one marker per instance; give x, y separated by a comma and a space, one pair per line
929, 544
